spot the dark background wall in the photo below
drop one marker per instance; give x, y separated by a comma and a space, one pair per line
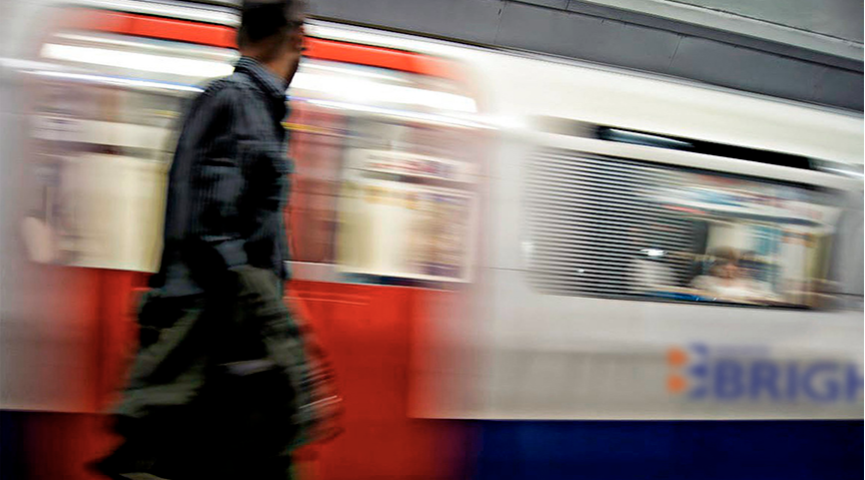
727, 49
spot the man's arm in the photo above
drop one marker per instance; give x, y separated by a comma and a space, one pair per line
217, 179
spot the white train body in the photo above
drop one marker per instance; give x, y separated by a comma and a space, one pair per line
538, 329
514, 351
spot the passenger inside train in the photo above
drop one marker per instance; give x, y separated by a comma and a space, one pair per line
726, 278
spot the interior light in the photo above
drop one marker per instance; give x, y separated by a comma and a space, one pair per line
365, 91
653, 252
426, 117
357, 90
119, 81
137, 61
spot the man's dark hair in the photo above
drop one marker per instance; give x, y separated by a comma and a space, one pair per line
263, 19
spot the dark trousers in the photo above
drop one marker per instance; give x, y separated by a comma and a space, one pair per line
185, 415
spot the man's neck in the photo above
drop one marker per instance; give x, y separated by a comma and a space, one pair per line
279, 69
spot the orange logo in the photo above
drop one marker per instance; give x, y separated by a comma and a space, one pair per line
676, 358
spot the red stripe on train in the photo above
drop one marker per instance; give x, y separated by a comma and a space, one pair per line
222, 36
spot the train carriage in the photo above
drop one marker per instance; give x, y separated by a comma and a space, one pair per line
478, 235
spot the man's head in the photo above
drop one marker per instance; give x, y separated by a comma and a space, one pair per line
271, 31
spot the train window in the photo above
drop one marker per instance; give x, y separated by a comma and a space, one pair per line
103, 110
382, 194
604, 226
386, 164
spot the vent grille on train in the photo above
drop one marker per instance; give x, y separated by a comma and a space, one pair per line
593, 219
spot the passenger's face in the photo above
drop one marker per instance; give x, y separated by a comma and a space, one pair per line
730, 270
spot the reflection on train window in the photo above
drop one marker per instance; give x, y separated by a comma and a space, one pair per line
104, 126
407, 215
102, 129
380, 197
614, 227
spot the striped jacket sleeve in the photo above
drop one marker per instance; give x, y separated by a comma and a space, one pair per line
217, 179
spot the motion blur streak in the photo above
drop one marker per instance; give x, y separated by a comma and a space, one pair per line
478, 236
136, 61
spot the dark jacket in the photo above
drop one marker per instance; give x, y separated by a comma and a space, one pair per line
227, 184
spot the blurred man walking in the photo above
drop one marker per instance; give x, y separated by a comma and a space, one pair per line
224, 385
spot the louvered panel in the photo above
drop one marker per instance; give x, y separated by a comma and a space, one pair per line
599, 230
597, 207
588, 250
604, 200
592, 220
577, 215
593, 172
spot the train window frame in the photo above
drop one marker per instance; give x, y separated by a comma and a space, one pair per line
535, 266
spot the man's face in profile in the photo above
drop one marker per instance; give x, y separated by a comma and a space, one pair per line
296, 44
